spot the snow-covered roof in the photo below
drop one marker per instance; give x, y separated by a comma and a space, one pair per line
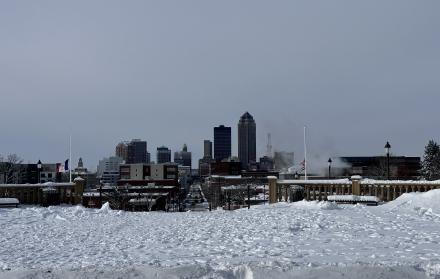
347, 181
227, 176
353, 198
315, 182
9, 201
234, 187
50, 190
399, 182
142, 201
96, 194
147, 187
51, 184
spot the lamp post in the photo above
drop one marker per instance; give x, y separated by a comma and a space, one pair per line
387, 151
249, 195
39, 167
329, 162
264, 193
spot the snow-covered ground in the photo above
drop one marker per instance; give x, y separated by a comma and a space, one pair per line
400, 239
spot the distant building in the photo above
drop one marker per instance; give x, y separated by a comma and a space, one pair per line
136, 152
266, 164
80, 167
222, 143
148, 157
90, 178
283, 160
226, 168
401, 167
143, 174
205, 166
183, 157
247, 140
207, 149
163, 155
184, 177
108, 170
207, 160
122, 150
49, 173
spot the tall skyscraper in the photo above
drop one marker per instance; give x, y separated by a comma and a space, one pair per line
183, 157
137, 152
222, 142
207, 149
247, 140
122, 150
163, 155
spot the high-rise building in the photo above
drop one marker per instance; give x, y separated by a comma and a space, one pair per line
222, 143
207, 160
148, 157
108, 170
183, 157
207, 149
122, 150
247, 140
163, 155
137, 152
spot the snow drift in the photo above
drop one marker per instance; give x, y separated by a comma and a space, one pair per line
426, 203
282, 240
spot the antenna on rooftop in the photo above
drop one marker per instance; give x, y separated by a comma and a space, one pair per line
269, 145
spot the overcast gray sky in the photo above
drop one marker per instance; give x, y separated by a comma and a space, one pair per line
357, 73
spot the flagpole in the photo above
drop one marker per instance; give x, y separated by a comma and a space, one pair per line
70, 159
305, 154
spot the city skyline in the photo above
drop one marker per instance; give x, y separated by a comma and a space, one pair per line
105, 72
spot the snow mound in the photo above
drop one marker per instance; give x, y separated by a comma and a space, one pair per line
324, 205
78, 210
105, 209
426, 203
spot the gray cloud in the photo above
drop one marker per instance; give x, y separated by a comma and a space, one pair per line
357, 73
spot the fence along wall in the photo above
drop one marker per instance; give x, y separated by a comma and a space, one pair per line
33, 193
319, 189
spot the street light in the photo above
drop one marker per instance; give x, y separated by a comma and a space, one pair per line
39, 167
387, 151
249, 195
329, 167
264, 193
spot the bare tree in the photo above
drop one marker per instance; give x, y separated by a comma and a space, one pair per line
380, 170
10, 169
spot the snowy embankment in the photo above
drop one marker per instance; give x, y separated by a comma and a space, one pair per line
398, 240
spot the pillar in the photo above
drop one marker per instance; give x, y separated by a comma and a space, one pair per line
307, 190
79, 190
356, 185
272, 189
